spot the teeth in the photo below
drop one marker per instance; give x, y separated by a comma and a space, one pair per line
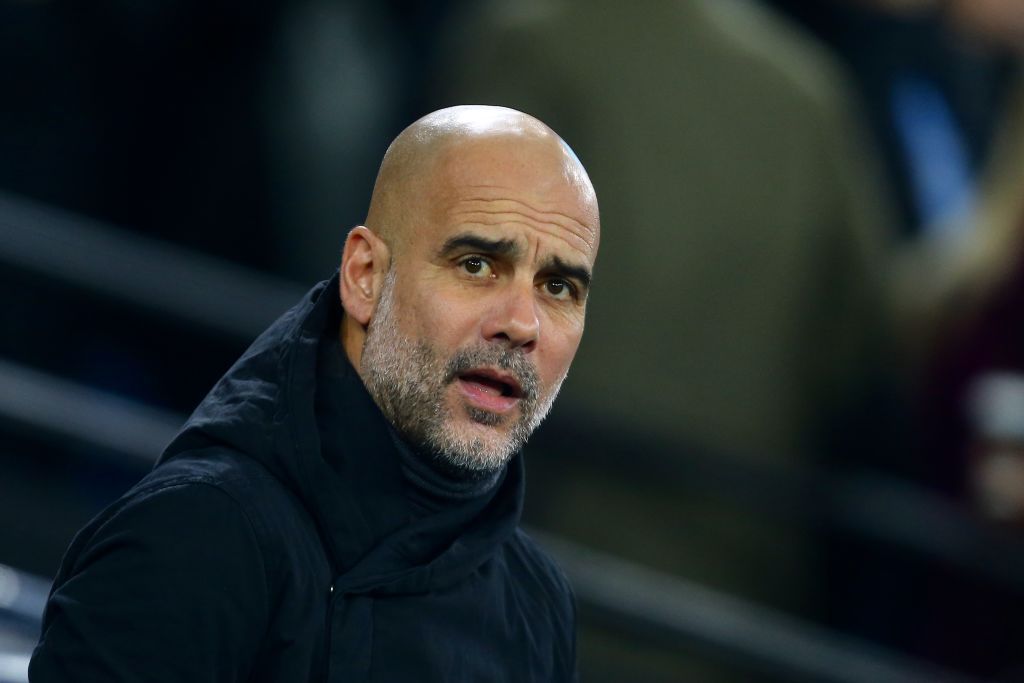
489, 389
488, 385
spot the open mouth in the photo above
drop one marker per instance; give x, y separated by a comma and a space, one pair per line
493, 383
490, 390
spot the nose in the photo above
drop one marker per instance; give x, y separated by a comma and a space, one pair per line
513, 319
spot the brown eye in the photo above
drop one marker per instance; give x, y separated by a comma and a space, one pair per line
477, 266
559, 289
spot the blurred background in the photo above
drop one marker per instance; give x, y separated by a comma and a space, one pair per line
792, 445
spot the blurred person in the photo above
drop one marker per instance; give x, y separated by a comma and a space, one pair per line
965, 308
974, 355
967, 54
344, 503
933, 97
971, 393
969, 334
744, 309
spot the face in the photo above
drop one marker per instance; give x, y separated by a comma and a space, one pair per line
483, 308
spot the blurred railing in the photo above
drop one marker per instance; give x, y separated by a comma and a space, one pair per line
232, 302
868, 505
673, 612
13, 667
22, 598
211, 294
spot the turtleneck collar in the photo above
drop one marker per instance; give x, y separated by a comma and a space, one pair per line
428, 489
431, 488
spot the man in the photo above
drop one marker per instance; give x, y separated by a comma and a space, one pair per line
343, 506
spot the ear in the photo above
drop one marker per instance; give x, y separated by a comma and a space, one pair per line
364, 262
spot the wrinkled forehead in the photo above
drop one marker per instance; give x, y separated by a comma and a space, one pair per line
509, 174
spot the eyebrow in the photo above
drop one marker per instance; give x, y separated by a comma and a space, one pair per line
556, 266
502, 247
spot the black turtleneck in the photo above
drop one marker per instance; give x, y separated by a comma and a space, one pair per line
429, 489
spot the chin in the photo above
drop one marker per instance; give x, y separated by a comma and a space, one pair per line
488, 443
475, 446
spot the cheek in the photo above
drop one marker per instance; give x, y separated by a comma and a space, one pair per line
435, 316
560, 351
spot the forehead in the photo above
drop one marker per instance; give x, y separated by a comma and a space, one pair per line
526, 189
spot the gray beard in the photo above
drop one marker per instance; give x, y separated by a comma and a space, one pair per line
407, 378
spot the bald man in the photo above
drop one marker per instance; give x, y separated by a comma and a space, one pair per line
344, 505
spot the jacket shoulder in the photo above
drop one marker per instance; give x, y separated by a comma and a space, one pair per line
172, 566
283, 526
239, 477
533, 567
209, 554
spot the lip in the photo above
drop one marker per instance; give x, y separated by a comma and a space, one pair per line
482, 394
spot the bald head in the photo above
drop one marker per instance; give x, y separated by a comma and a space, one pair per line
466, 145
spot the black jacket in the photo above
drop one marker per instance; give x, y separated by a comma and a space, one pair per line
251, 553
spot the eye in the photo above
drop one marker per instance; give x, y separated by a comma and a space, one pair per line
560, 289
476, 266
